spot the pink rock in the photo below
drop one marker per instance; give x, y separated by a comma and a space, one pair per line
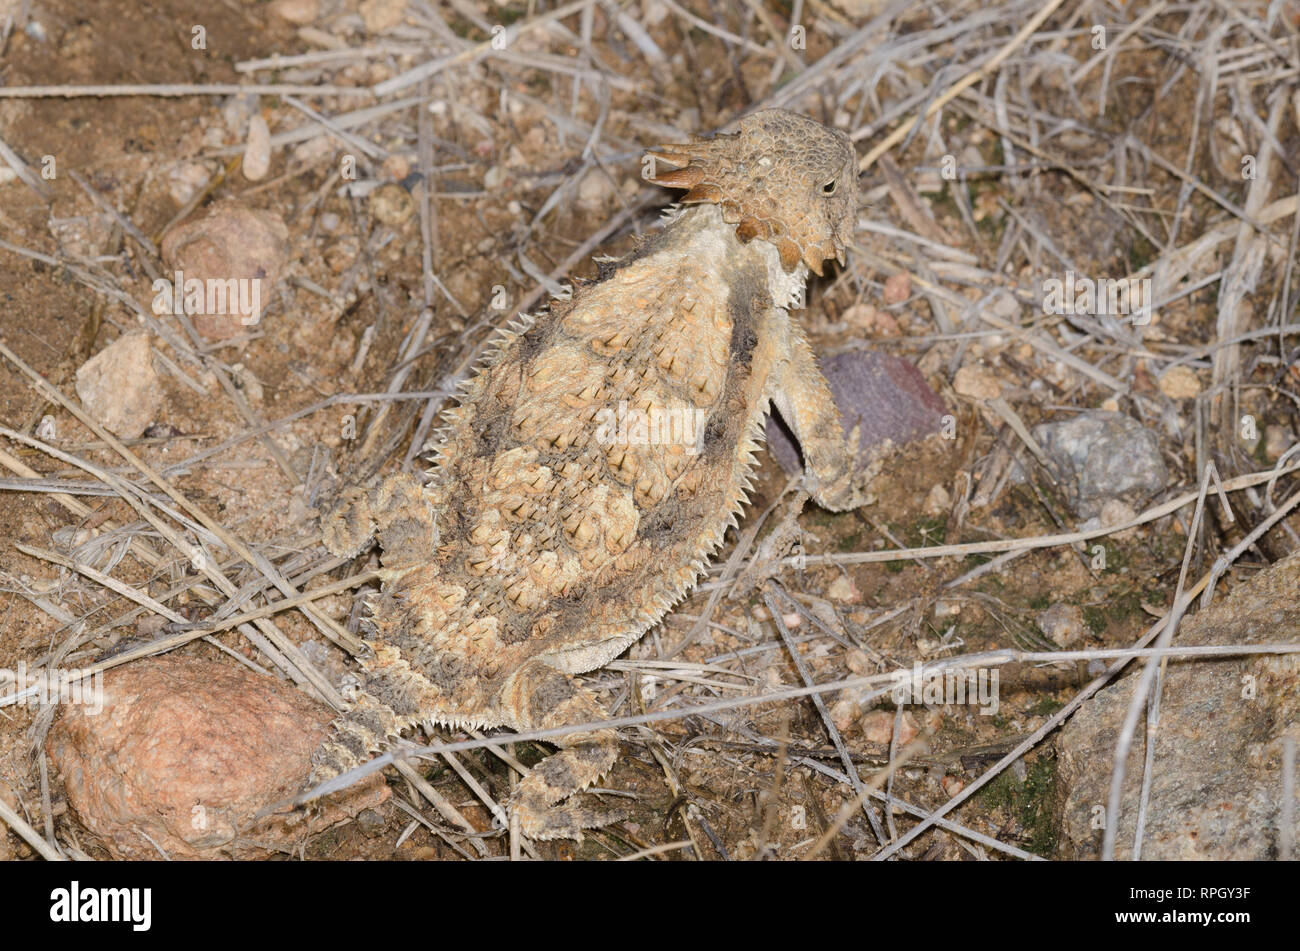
878, 728
185, 752
898, 288
235, 254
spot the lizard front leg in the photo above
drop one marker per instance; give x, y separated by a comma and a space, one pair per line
538, 697
396, 510
835, 475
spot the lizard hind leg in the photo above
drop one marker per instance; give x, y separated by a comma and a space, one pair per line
539, 697
391, 696
353, 737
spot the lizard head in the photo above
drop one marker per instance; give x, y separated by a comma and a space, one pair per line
781, 177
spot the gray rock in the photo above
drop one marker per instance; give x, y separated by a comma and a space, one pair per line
1216, 786
1100, 455
1062, 623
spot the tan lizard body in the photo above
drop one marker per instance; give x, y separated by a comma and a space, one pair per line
597, 459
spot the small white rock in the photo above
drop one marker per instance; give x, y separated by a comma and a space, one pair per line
257, 151
185, 179
843, 713
1116, 512
1062, 623
381, 15
858, 662
843, 589
314, 150
938, 502
297, 12
595, 191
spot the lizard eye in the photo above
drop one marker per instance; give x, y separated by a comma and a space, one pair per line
829, 188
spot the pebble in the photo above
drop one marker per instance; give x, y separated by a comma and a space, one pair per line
898, 288
297, 12
185, 751
1062, 624
1179, 383
229, 240
119, 386
844, 713
396, 167
1116, 512
392, 204
185, 180
381, 15
977, 383
843, 589
878, 727
872, 320
938, 501
595, 191
257, 150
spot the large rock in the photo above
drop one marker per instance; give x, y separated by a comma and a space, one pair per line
1216, 790
186, 751
229, 258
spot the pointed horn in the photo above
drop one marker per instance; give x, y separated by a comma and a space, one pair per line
678, 178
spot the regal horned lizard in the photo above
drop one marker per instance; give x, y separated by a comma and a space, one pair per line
551, 533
